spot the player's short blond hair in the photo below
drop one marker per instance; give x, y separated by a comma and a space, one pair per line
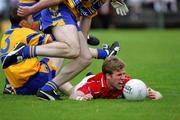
112, 64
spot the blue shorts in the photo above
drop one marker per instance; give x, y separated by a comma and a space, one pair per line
37, 81
58, 15
36, 16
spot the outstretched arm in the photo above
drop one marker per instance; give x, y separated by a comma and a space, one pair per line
42, 4
83, 90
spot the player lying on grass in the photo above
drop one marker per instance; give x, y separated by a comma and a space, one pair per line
27, 76
107, 84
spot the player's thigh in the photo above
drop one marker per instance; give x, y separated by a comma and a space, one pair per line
67, 34
46, 73
33, 84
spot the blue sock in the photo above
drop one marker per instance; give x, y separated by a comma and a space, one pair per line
102, 54
29, 52
49, 86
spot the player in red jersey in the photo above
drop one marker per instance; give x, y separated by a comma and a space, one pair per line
107, 84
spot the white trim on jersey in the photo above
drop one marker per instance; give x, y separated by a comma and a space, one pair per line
83, 82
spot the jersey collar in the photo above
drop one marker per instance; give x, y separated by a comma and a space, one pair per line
15, 26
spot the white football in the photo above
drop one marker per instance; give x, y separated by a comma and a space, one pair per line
135, 90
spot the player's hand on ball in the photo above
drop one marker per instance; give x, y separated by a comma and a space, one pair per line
154, 95
120, 7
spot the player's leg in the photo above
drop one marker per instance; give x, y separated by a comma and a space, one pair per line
67, 87
106, 51
58, 62
80, 63
53, 49
59, 21
66, 44
68, 71
46, 73
112, 50
17, 54
7, 88
77, 65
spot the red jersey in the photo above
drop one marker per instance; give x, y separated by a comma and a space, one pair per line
98, 88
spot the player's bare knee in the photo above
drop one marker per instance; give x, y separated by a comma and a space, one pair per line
74, 49
86, 60
75, 52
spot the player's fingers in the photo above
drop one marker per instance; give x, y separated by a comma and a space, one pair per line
117, 11
20, 12
151, 94
121, 12
23, 11
152, 97
88, 97
124, 12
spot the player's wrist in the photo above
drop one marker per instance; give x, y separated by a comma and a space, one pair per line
34, 9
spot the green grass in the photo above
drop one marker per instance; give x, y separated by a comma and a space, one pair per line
150, 55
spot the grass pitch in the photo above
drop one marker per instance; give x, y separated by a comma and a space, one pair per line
150, 55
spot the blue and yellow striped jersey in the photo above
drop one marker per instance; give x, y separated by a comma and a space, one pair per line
27, 1
84, 7
19, 73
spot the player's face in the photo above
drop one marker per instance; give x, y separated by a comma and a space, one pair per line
116, 79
